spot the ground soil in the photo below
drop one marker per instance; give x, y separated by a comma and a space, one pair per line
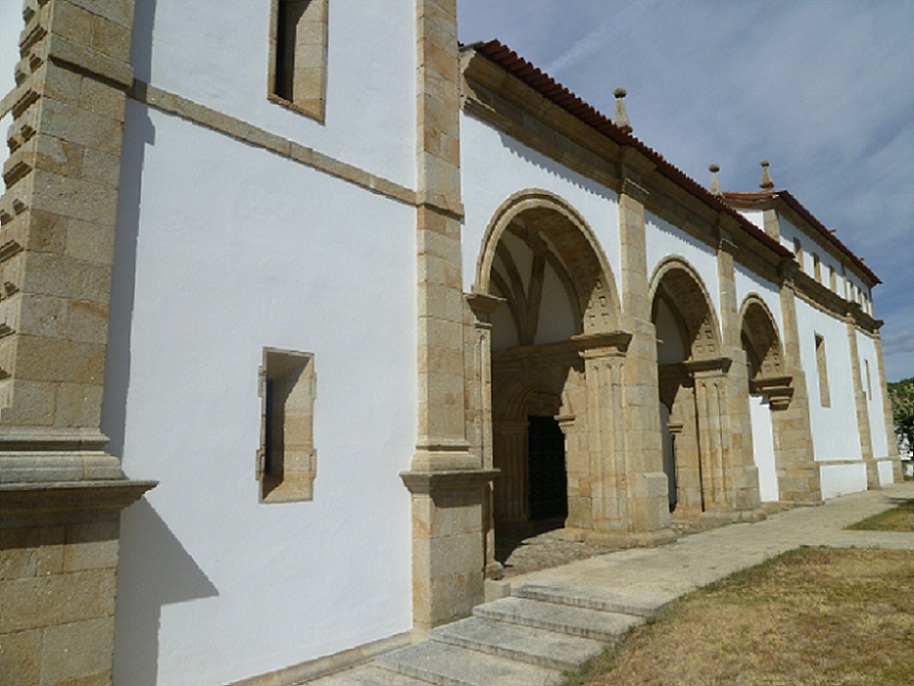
813, 616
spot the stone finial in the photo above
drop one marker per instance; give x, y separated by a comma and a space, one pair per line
715, 182
620, 118
767, 183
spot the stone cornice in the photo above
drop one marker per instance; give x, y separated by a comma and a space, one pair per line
60, 501
824, 299
453, 481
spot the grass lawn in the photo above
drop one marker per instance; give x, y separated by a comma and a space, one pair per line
813, 616
899, 518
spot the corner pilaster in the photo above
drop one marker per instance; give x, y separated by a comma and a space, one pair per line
61, 494
887, 413
863, 415
648, 492
798, 474
446, 479
745, 496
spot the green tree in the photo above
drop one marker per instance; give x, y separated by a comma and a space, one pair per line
901, 394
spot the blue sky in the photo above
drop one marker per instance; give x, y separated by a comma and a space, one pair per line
823, 89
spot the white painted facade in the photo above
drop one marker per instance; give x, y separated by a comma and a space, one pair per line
224, 248
220, 59
763, 449
494, 167
10, 26
663, 240
211, 268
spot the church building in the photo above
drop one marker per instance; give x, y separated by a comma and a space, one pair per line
303, 304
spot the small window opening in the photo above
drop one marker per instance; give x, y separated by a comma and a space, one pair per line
817, 267
298, 55
798, 251
822, 365
832, 279
287, 461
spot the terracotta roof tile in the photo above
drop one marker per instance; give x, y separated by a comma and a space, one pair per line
798, 207
552, 90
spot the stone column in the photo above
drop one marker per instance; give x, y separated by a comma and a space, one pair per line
649, 507
479, 407
446, 480
738, 423
60, 493
863, 415
577, 466
612, 483
887, 413
798, 473
714, 438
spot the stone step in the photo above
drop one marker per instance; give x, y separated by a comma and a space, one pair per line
640, 603
367, 675
526, 644
447, 665
574, 621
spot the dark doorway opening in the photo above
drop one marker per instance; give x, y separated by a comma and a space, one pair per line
548, 481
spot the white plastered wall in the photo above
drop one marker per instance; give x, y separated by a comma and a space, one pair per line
662, 240
220, 59
813, 245
757, 217
836, 438
749, 283
10, 25
872, 388
763, 448
224, 249
494, 167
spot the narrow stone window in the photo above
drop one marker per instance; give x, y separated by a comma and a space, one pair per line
298, 55
832, 279
798, 252
822, 365
286, 461
816, 267
869, 385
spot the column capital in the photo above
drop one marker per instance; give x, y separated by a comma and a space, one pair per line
596, 345
635, 190
717, 366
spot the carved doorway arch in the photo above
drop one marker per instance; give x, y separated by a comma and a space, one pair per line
545, 290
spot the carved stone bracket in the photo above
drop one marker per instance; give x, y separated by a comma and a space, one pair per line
483, 305
454, 481
777, 389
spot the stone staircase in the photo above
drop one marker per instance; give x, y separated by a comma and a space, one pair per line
527, 639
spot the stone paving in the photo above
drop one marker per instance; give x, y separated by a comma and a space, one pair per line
554, 613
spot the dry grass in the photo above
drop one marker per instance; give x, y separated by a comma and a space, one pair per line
812, 616
899, 518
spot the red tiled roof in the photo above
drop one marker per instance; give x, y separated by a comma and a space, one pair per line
797, 207
552, 90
